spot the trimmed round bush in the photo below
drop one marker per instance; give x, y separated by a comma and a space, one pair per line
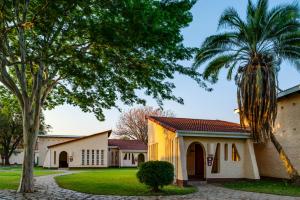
156, 174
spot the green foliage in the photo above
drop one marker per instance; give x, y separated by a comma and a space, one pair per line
252, 49
156, 174
94, 53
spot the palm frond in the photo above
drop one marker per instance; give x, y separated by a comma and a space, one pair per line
214, 45
213, 68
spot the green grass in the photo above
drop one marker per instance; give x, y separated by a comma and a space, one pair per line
266, 186
113, 182
10, 176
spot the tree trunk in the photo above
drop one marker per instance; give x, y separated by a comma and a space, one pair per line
30, 131
6, 160
290, 169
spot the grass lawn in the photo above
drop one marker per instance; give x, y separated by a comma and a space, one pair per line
10, 176
266, 186
113, 182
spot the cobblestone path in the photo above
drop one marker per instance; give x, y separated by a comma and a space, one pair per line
47, 189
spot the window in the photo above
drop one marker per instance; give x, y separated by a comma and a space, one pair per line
97, 157
87, 157
93, 157
125, 157
235, 153
54, 157
226, 152
82, 157
216, 163
102, 157
129, 156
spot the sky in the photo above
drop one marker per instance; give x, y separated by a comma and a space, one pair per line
198, 103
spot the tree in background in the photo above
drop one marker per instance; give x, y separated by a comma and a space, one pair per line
89, 54
253, 49
11, 129
133, 123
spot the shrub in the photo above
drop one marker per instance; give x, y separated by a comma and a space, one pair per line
156, 174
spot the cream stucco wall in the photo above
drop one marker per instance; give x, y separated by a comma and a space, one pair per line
245, 168
287, 132
128, 162
18, 156
44, 142
74, 150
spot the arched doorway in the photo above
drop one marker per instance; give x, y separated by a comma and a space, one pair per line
63, 160
141, 159
195, 162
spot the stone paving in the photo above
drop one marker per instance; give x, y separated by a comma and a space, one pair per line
47, 189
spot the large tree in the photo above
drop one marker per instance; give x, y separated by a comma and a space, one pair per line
11, 129
253, 49
91, 54
133, 123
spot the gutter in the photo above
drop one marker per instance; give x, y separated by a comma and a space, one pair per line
289, 91
237, 135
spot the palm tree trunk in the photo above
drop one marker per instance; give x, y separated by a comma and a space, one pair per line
290, 169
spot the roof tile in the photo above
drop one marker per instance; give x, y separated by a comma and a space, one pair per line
127, 144
205, 125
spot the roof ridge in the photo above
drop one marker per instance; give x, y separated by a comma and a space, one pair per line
193, 119
81, 138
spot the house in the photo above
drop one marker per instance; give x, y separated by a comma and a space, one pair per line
202, 149
287, 132
126, 153
92, 151
44, 141
82, 152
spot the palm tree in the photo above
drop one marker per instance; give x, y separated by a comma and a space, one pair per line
253, 49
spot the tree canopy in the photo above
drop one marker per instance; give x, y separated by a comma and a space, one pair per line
92, 53
253, 49
134, 125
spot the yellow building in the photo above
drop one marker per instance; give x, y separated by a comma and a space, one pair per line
202, 149
287, 132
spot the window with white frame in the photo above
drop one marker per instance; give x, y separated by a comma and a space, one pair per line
82, 157
93, 157
102, 157
88, 157
97, 157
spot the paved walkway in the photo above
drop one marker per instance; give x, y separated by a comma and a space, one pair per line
47, 189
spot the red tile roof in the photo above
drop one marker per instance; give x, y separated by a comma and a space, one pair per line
205, 125
127, 144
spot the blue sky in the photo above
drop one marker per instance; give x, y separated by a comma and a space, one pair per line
198, 103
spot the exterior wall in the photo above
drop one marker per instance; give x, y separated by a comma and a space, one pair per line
18, 156
128, 162
113, 157
163, 139
74, 151
287, 132
167, 142
245, 168
44, 142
